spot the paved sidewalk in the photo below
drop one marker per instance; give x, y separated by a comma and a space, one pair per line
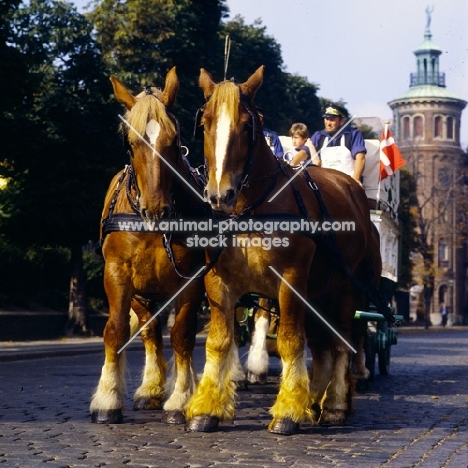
21, 350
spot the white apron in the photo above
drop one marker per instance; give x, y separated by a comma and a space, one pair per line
337, 157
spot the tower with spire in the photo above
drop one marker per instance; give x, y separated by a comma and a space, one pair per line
427, 120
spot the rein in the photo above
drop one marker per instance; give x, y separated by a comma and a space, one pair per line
252, 142
264, 195
133, 186
167, 243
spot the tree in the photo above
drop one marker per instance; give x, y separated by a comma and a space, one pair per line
59, 174
305, 103
368, 132
14, 83
141, 40
284, 98
407, 215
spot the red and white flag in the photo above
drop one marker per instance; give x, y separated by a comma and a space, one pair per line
390, 157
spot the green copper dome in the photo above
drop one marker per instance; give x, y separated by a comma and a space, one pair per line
428, 91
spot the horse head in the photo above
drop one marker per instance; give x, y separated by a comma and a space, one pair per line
151, 133
231, 127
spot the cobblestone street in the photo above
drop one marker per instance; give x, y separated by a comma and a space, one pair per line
414, 417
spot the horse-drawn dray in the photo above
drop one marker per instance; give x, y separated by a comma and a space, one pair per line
336, 271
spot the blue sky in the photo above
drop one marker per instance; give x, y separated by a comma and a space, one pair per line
362, 51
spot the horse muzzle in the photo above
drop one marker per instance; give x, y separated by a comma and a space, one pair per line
161, 213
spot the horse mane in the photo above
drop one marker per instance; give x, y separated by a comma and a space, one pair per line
226, 94
145, 109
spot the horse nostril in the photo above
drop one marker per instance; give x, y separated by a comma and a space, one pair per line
214, 199
230, 196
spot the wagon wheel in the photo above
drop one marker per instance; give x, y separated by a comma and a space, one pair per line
370, 347
384, 354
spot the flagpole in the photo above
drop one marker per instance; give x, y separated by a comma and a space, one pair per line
385, 134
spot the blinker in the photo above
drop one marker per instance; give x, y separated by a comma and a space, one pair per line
198, 128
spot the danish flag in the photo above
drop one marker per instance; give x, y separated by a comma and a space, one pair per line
390, 157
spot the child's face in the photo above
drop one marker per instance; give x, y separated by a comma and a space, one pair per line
297, 140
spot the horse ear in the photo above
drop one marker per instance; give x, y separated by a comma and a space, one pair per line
252, 85
170, 90
122, 94
206, 83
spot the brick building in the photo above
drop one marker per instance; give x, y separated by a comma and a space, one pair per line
427, 130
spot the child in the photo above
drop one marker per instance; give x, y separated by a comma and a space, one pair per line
299, 135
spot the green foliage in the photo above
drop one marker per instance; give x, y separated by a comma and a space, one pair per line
304, 104
60, 145
140, 48
368, 132
94, 270
284, 98
142, 40
60, 171
35, 277
408, 226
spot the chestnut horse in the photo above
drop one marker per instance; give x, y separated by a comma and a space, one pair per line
245, 180
265, 324
138, 264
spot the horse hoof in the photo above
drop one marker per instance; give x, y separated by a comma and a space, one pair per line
260, 379
173, 417
333, 417
284, 426
242, 385
149, 403
203, 424
112, 416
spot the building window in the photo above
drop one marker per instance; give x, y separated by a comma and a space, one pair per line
444, 177
406, 128
443, 253
420, 181
438, 127
443, 293
418, 130
450, 132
